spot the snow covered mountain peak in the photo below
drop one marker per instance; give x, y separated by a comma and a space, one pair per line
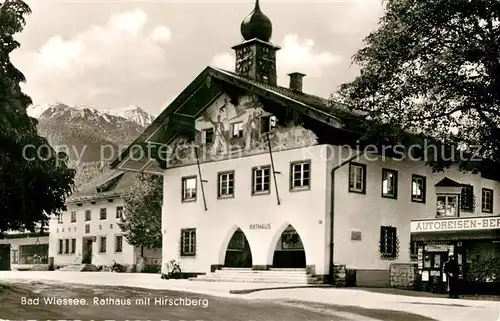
60, 111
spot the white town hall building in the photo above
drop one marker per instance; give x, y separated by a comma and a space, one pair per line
256, 178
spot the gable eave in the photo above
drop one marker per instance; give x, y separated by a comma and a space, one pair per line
159, 121
224, 77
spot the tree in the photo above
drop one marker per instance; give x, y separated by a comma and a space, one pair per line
34, 179
433, 67
142, 213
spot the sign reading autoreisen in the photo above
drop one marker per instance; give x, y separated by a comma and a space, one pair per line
456, 224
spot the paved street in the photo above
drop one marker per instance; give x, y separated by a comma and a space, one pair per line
125, 296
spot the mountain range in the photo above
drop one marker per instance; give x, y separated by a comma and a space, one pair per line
87, 134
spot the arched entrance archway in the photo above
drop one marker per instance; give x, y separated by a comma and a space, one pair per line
289, 251
238, 253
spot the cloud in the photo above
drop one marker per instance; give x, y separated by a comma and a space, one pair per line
101, 60
296, 55
161, 34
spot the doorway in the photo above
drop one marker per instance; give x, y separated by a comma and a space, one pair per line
4, 257
289, 252
433, 267
238, 253
87, 245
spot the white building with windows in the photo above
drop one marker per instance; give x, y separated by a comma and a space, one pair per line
21, 251
257, 176
88, 231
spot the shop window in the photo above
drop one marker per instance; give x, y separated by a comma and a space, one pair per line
61, 247
290, 240
447, 206
188, 242
357, 178
189, 189
467, 202
73, 246
389, 183
261, 179
34, 253
300, 175
226, 184
487, 200
66, 246
414, 250
418, 188
388, 242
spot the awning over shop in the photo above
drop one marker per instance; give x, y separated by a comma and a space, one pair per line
467, 228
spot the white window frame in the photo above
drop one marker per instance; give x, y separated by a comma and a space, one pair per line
262, 170
189, 194
204, 136
448, 196
487, 194
353, 168
237, 129
119, 212
303, 181
415, 179
386, 189
226, 190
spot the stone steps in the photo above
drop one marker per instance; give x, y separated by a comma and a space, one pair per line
79, 268
292, 276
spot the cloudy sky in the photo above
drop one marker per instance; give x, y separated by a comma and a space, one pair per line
111, 54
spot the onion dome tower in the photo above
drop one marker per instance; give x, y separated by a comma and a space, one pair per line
256, 56
257, 25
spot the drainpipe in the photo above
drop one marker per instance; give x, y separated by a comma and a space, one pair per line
332, 212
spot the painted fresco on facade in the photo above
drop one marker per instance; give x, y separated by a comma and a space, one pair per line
228, 131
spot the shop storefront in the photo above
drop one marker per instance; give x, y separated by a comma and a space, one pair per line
475, 243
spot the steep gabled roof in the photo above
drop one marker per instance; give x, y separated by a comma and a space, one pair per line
448, 182
107, 185
182, 112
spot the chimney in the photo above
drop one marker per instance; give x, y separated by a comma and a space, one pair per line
296, 81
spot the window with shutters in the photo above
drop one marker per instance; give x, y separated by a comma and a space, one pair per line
467, 202
388, 242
